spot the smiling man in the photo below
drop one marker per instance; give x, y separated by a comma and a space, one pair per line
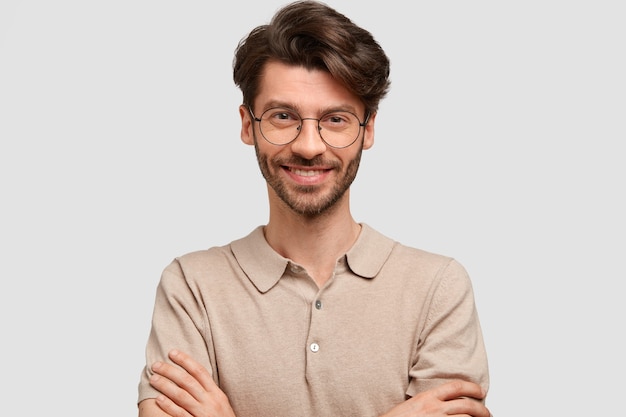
313, 313
304, 176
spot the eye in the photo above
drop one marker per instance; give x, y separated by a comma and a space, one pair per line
282, 116
337, 120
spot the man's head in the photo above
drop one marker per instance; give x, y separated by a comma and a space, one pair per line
313, 35
311, 83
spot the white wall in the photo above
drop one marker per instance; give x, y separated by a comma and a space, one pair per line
501, 144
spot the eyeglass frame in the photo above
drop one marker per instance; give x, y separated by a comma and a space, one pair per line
302, 119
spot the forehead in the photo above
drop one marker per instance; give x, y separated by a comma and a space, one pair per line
303, 89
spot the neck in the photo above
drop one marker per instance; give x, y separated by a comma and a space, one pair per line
313, 242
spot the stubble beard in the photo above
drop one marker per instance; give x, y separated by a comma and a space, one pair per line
306, 200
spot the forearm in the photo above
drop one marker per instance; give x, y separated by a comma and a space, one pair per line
452, 398
149, 408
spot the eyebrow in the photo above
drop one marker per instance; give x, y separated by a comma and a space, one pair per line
324, 110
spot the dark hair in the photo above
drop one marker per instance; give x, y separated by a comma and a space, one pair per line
313, 35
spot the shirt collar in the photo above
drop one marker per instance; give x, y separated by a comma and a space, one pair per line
369, 253
264, 266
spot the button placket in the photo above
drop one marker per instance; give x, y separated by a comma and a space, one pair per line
314, 346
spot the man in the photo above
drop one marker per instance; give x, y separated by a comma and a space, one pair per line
313, 314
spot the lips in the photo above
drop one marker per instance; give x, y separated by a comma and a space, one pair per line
306, 172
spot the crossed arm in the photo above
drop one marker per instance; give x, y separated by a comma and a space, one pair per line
189, 391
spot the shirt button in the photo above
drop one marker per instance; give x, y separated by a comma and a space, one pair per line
318, 304
314, 347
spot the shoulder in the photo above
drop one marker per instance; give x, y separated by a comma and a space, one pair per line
189, 269
400, 254
202, 258
422, 259
442, 269
216, 257
427, 265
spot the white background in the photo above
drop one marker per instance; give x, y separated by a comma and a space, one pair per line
500, 143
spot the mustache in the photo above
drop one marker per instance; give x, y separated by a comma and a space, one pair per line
299, 161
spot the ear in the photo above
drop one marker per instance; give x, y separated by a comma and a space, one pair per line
368, 136
247, 126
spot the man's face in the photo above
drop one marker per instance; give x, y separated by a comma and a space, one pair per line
307, 175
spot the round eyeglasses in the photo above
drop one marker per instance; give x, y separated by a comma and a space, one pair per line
281, 125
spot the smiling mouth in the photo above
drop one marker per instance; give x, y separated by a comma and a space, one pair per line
306, 172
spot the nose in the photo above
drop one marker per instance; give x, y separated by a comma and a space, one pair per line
309, 143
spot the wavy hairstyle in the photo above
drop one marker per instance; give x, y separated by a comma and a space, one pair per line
311, 34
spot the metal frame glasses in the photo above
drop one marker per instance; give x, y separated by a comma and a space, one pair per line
282, 125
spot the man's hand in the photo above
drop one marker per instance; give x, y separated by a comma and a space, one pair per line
450, 399
189, 391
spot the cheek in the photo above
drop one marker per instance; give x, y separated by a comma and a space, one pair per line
265, 150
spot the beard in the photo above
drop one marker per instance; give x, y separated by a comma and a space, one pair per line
308, 200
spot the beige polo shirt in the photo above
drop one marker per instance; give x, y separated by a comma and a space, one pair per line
391, 322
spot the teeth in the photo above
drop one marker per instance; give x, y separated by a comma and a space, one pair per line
305, 173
